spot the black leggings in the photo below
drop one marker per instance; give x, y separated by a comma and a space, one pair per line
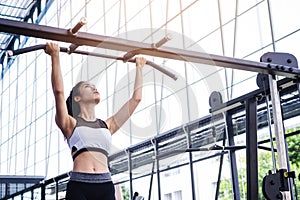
90, 191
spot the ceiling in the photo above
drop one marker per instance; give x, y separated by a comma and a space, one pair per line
18, 10
14, 10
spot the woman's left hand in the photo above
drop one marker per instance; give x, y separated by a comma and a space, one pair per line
140, 61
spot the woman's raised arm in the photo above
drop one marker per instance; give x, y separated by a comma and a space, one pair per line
63, 120
118, 119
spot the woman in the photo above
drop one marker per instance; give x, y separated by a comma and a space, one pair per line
89, 138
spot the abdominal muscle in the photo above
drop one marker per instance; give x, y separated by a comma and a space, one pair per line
91, 162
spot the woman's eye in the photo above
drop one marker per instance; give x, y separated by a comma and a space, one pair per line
89, 86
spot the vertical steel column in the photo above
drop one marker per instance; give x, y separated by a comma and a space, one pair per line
220, 169
192, 175
6, 189
32, 194
232, 157
191, 164
130, 173
251, 148
279, 130
43, 192
56, 189
157, 169
282, 151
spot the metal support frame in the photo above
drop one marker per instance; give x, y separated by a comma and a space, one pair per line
31, 193
130, 174
220, 169
36, 14
151, 179
191, 165
215, 100
41, 185
10, 181
279, 131
43, 191
56, 189
251, 131
106, 42
135, 48
290, 109
157, 168
73, 31
290, 60
232, 156
251, 148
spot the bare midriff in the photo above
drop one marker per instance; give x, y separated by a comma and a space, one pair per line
91, 162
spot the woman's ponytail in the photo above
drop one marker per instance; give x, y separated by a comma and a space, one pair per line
72, 105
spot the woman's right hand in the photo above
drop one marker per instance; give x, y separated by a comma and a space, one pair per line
52, 49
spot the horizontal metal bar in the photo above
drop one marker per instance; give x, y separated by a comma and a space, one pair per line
106, 42
67, 50
237, 104
63, 35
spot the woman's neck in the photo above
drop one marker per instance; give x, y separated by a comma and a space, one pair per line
87, 113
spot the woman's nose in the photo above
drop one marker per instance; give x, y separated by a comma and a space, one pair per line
93, 87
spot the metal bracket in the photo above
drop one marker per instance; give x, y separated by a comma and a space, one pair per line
274, 184
281, 60
74, 31
78, 26
131, 54
215, 99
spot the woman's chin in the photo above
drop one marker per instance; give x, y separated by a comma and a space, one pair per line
97, 101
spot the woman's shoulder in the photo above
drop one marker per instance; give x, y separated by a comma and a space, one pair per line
102, 123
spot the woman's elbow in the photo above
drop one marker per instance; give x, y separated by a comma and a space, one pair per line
58, 92
137, 99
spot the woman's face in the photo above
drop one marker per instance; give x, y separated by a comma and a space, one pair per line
88, 93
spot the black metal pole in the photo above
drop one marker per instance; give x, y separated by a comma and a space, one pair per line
251, 149
220, 170
32, 194
130, 173
191, 166
56, 189
67, 50
43, 192
6, 189
157, 169
151, 180
192, 175
232, 156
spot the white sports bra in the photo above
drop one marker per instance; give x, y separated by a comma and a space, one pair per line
90, 136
